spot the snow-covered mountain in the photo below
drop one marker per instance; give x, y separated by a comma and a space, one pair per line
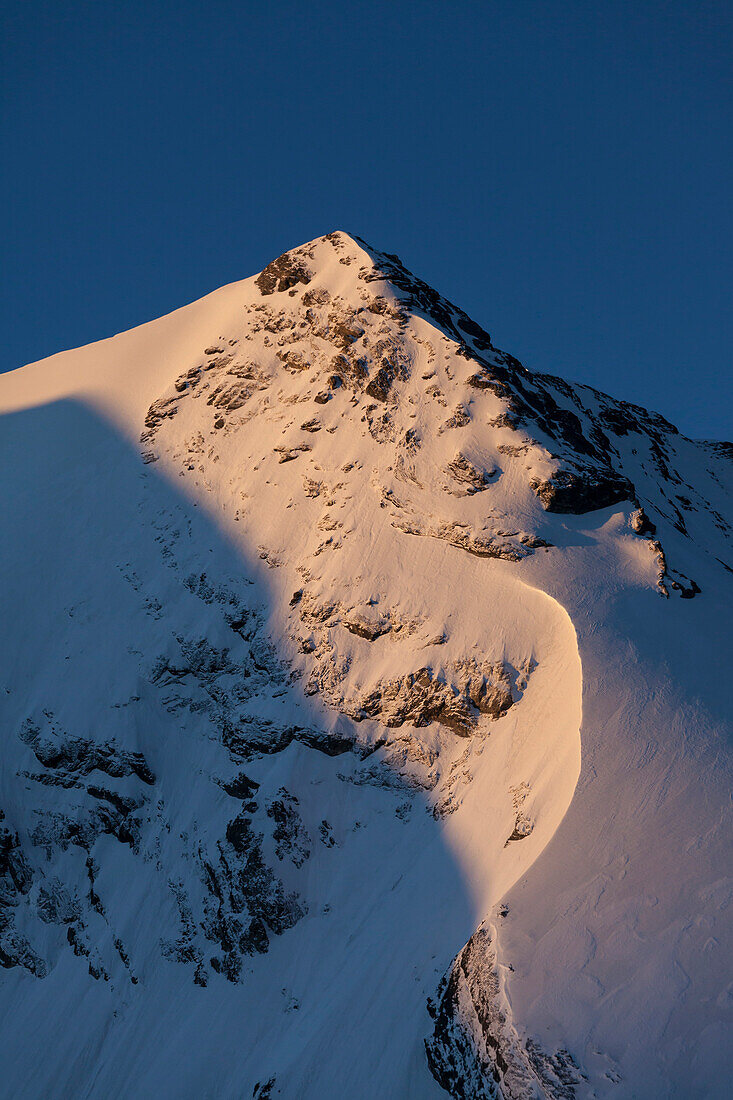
363, 708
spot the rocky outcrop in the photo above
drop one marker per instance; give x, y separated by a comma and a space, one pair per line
290, 835
641, 524
265, 1090
68, 762
470, 478
419, 297
455, 699
391, 363
283, 273
16, 879
69, 756
523, 824
56, 831
576, 493
475, 1052
246, 900
370, 629
506, 545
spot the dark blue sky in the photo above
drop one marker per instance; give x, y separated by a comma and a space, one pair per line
562, 170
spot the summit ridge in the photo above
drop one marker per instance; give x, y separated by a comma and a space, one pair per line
364, 717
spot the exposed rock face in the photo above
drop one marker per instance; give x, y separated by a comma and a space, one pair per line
523, 825
78, 756
582, 492
263, 1090
392, 364
641, 524
470, 478
366, 628
417, 296
506, 545
290, 835
475, 1052
16, 878
243, 901
576, 449
246, 901
422, 697
283, 273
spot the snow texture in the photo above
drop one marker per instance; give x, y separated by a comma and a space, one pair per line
364, 712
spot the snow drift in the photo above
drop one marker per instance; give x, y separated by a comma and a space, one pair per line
363, 710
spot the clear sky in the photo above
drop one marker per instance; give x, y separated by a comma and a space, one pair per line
561, 169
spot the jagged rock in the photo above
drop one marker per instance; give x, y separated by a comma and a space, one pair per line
59, 830
342, 327
57, 750
578, 493
513, 547
15, 950
16, 879
523, 825
56, 905
264, 1090
262, 891
469, 477
241, 787
288, 454
125, 804
381, 383
641, 524
293, 361
290, 835
366, 628
475, 1052
316, 296
459, 419
391, 364
422, 298
185, 948
16, 876
245, 900
283, 273
160, 410
422, 697
259, 738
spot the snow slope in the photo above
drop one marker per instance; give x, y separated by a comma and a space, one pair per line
313, 598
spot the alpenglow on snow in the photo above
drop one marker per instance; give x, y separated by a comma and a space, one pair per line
364, 712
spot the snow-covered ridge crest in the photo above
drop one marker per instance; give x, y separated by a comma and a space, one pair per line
337, 717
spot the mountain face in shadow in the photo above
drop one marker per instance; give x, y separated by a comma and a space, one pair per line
312, 598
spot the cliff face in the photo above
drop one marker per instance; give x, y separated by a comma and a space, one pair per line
315, 600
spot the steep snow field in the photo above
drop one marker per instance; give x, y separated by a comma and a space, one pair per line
336, 641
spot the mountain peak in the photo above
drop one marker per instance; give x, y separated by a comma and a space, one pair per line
301, 264
350, 329
316, 597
